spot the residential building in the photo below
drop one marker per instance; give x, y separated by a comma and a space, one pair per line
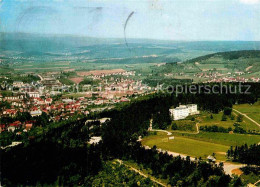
18, 84
183, 111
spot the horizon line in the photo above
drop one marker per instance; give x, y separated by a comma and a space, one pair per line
122, 38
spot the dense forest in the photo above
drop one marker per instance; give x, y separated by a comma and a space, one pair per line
245, 154
58, 153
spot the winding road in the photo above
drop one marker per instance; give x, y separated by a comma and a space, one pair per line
159, 130
169, 133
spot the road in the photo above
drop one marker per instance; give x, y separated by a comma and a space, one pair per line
40, 77
159, 130
257, 182
169, 133
141, 173
247, 117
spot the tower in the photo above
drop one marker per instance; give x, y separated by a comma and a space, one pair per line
151, 125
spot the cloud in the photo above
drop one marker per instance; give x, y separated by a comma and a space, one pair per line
250, 1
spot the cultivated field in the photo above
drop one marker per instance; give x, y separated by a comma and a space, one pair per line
76, 80
100, 72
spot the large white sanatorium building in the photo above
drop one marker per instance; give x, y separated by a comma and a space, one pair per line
183, 111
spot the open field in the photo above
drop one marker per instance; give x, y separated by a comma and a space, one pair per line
184, 125
222, 138
28, 67
187, 146
51, 68
252, 111
100, 72
76, 80
250, 178
210, 66
205, 119
200, 145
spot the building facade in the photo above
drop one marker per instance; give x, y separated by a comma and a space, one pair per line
183, 111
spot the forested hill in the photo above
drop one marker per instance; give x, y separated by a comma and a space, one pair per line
245, 61
231, 55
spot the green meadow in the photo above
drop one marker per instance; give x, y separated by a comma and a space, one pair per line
186, 146
205, 120
200, 145
252, 111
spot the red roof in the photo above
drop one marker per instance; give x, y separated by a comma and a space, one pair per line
34, 108
2, 126
30, 121
11, 111
14, 125
28, 126
18, 122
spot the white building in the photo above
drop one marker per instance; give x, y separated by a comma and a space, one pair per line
18, 84
193, 109
183, 111
95, 140
34, 94
36, 113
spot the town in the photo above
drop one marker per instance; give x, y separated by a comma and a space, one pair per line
60, 101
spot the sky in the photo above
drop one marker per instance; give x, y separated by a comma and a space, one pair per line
190, 20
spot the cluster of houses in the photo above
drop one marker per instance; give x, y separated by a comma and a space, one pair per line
120, 88
17, 125
38, 101
122, 73
235, 79
227, 77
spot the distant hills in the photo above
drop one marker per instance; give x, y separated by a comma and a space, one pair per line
22, 46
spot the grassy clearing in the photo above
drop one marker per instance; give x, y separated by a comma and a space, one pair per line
222, 138
205, 119
183, 125
200, 145
252, 111
250, 178
187, 146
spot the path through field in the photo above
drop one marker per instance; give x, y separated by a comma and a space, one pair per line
247, 117
257, 183
141, 173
